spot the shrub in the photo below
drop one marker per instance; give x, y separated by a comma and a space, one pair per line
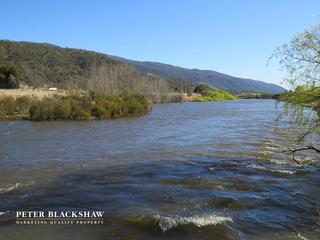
3, 113
200, 99
62, 109
42, 110
23, 104
76, 107
8, 77
35, 112
215, 95
202, 88
8, 105
81, 115
101, 111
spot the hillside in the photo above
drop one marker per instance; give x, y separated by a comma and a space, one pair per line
46, 65
216, 79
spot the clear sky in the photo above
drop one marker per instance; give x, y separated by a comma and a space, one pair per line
235, 37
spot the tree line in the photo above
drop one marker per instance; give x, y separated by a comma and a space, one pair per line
45, 65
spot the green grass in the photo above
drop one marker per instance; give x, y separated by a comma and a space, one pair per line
215, 95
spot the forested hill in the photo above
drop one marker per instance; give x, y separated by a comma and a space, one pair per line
41, 64
216, 79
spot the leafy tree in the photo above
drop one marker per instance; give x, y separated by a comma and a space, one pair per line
202, 88
300, 58
8, 77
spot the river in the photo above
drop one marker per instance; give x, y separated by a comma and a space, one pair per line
212, 170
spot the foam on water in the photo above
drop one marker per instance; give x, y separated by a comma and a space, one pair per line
282, 171
265, 153
302, 237
1, 213
271, 148
307, 161
278, 162
9, 188
170, 222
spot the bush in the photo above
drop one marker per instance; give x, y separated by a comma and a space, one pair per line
79, 114
80, 107
35, 112
23, 104
8, 105
3, 113
101, 111
76, 107
62, 109
133, 104
202, 88
42, 110
215, 95
8, 77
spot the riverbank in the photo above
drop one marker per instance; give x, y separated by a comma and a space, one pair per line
71, 106
46, 92
255, 95
30, 103
214, 94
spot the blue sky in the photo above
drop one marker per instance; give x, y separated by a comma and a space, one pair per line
235, 37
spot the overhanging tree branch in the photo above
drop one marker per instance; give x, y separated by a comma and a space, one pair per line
306, 148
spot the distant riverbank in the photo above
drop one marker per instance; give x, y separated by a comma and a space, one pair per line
28, 103
40, 104
45, 92
62, 105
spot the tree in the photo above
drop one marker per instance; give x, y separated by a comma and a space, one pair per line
8, 77
300, 58
202, 88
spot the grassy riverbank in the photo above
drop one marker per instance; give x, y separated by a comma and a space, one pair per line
93, 105
215, 95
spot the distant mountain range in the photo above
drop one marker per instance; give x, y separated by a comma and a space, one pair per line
47, 65
42, 64
216, 79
